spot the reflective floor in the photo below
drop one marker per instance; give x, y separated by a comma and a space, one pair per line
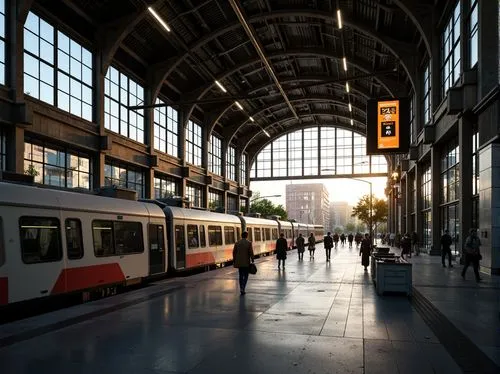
312, 317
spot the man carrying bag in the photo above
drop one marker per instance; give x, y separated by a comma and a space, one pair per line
242, 256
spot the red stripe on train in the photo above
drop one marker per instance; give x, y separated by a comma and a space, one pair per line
4, 291
73, 279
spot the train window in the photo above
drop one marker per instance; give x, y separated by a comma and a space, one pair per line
257, 234
117, 238
103, 238
229, 235
2, 245
238, 233
192, 236
214, 235
156, 239
40, 239
128, 237
275, 234
203, 240
250, 233
267, 231
74, 240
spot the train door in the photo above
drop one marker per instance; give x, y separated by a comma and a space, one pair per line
180, 247
156, 249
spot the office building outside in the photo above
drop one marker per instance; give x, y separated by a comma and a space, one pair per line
308, 203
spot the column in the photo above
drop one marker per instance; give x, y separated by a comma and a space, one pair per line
182, 145
98, 114
15, 150
435, 188
418, 203
465, 188
489, 207
404, 204
149, 142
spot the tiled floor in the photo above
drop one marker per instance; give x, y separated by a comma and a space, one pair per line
313, 317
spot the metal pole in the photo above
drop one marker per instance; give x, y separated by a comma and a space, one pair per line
371, 214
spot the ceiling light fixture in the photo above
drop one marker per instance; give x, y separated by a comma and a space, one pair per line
267, 134
251, 119
344, 60
238, 105
339, 19
220, 86
350, 107
159, 19
347, 86
352, 122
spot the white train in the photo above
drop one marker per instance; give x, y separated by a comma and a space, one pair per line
57, 242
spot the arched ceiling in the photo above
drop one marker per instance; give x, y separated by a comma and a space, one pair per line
383, 41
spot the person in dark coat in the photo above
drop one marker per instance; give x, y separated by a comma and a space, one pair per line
357, 239
242, 255
350, 238
365, 251
311, 245
328, 244
336, 239
405, 245
300, 243
472, 254
281, 247
446, 242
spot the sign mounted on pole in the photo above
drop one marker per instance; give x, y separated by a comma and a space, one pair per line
387, 126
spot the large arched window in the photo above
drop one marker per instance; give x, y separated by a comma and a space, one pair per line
316, 151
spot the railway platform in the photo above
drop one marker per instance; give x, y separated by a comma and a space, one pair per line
312, 317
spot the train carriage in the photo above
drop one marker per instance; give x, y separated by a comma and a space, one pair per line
319, 233
56, 242
263, 234
200, 238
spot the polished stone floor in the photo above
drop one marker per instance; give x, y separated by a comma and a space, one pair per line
313, 317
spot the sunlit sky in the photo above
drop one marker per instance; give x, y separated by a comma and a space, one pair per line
339, 189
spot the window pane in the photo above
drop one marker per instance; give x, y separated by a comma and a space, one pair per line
40, 239
74, 241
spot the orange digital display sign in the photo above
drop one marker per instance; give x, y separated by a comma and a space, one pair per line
388, 121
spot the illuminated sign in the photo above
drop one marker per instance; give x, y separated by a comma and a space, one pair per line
387, 126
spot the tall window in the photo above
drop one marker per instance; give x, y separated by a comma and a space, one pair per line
475, 179
2, 41
231, 163
232, 203
263, 164
450, 47
311, 162
57, 166
427, 94
57, 69
426, 208
243, 169
215, 199
166, 129
166, 186
193, 143
243, 204
344, 152
215, 155
3, 150
194, 193
127, 176
327, 150
279, 147
120, 92
450, 178
473, 27
294, 153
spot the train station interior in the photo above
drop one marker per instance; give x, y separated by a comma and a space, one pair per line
198, 99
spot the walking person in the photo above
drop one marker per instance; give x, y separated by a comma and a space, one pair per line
472, 253
405, 245
414, 243
365, 251
342, 239
242, 256
350, 238
281, 247
328, 244
336, 239
311, 245
300, 243
446, 248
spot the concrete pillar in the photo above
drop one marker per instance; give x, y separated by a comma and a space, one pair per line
182, 145
465, 187
419, 203
149, 173
435, 187
404, 204
489, 207
98, 117
15, 150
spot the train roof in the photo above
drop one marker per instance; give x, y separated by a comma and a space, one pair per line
259, 221
41, 197
285, 223
199, 215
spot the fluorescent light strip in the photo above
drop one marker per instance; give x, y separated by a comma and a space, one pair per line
159, 19
267, 134
344, 60
339, 19
350, 107
347, 86
251, 119
220, 86
238, 105
352, 122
